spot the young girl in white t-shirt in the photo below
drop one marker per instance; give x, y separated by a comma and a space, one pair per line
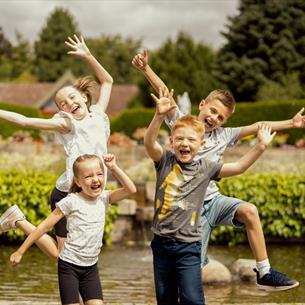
84, 208
80, 127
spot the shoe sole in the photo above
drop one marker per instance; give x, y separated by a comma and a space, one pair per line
7, 213
277, 288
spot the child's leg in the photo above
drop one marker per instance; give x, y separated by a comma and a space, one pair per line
90, 286
188, 271
235, 212
14, 218
45, 243
247, 214
164, 271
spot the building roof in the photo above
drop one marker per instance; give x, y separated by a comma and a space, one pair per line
40, 95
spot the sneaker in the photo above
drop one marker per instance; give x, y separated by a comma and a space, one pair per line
9, 218
274, 281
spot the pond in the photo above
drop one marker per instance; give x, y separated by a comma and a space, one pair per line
126, 276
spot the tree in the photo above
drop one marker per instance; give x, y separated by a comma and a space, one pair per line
21, 58
115, 54
265, 42
184, 66
51, 59
6, 50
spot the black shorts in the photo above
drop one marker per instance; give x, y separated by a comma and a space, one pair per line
77, 280
60, 227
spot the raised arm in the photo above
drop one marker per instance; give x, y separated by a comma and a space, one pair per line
128, 187
298, 121
80, 49
264, 137
43, 228
163, 106
140, 62
61, 125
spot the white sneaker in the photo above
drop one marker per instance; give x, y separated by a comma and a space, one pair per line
9, 218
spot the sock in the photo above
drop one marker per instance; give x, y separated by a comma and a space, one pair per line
263, 267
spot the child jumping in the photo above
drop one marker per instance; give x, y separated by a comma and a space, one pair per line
82, 128
220, 210
84, 208
180, 189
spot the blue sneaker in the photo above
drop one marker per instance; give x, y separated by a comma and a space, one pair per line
274, 281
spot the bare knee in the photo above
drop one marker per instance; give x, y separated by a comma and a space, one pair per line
247, 214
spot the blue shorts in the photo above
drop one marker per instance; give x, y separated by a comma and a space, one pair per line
219, 211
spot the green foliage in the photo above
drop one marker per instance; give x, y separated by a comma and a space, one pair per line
30, 190
265, 41
248, 113
184, 66
289, 89
115, 53
280, 199
8, 129
51, 59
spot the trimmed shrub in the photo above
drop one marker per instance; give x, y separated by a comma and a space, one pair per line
30, 190
8, 129
279, 198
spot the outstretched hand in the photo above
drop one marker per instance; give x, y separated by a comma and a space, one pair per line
264, 136
15, 258
109, 161
298, 120
78, 46
165, 103
140, 61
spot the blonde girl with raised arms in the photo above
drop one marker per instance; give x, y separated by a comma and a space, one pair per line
84, 208
82, 128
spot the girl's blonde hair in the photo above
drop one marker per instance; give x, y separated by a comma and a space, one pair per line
86, 85
76, 171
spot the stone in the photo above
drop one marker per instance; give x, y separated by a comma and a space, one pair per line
216, 273
127, 207
242, 270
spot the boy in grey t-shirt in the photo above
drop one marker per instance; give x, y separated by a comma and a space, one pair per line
180, 189
218, 209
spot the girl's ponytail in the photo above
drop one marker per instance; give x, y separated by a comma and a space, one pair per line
86, 85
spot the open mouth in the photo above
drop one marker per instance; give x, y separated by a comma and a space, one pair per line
75, 109
208, 123
184, 152
96, 187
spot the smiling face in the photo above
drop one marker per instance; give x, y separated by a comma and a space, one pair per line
213, 114
90, 178
70, 100
186, 141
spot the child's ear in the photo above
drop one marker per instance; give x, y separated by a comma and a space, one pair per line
202, 143
76, 181
85, 97
171, 141
202, 104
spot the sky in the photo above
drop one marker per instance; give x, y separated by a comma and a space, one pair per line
152, 21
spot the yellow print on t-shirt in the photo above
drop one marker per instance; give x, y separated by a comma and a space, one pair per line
171, 185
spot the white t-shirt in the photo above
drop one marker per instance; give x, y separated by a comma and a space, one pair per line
85, 225
216, 141
88, 136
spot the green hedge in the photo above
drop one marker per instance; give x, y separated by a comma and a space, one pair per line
30, 190
7, 129
245, 114
280, 199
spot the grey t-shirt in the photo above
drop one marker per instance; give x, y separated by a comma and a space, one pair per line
180, 190
217, 141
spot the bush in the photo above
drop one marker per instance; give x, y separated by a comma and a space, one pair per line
280, 199
8, 129
30, 190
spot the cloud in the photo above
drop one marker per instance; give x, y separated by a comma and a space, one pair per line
151, 21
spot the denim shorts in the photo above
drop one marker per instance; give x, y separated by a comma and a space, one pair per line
219, 211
